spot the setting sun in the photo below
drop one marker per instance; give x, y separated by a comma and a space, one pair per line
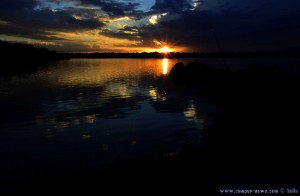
165, 49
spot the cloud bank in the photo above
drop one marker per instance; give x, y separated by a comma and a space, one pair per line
189, 25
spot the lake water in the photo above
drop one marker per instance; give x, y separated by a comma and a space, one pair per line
82, 114
78, 115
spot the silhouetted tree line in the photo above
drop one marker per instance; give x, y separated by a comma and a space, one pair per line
25, 58
187, 55
118, 55
20, 52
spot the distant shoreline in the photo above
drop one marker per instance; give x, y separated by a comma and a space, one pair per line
17, 54
175, 55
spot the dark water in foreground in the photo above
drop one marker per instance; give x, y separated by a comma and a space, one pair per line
86, 113
82, 114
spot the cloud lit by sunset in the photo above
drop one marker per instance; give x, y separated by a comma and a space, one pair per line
123, 26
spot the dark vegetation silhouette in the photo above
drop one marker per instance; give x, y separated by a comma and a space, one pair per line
255, 139
18, 57
196, 73
27, 52
274, 54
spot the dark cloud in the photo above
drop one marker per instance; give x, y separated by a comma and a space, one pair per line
129, 33
171, 5
36, 23
232, 27
189, 29
24, 15
65, 21
26, 32
116, 9
56, 20
7, 5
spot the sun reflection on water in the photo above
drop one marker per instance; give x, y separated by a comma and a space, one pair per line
156, 95
86, 90
191, 114
165, 64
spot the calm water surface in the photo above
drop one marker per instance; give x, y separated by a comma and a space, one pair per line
81, 114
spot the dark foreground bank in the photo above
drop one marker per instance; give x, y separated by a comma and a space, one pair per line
192, 171
254, 142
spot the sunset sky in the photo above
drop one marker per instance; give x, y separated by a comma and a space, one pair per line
149, 25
